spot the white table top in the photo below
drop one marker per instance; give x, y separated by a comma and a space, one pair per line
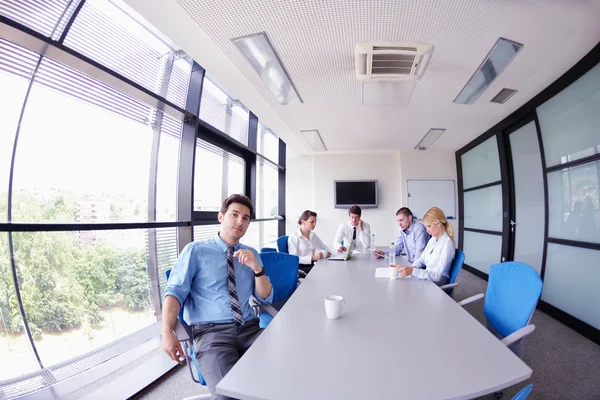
402, 339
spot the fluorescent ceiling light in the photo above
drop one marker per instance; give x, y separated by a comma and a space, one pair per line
429, 138
497, 59
260, 54
314, 140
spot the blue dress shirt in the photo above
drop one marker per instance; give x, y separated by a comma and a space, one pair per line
413, 240
199, 282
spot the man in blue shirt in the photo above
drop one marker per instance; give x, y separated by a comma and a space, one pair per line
413, 236
215, 278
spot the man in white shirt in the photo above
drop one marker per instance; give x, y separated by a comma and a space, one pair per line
355, 229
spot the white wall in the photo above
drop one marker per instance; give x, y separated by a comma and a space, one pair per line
309, 185
299, 187
429, 165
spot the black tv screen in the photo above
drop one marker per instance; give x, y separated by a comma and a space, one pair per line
360, 193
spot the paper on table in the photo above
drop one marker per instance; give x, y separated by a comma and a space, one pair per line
385, 273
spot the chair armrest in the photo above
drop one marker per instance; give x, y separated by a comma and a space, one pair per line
518, 335
471, 299
269, 309
449, 286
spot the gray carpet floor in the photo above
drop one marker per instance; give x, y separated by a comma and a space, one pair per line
565, 364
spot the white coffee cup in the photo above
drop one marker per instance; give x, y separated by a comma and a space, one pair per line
334, 305
324, 252
393, 272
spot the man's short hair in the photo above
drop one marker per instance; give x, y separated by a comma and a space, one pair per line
404, 211
239, 199
355, 210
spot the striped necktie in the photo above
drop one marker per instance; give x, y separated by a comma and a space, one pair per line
233, 297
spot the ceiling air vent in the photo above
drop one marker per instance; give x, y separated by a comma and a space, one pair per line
389, 60
503, 96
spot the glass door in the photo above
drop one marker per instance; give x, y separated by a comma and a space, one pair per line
527, 207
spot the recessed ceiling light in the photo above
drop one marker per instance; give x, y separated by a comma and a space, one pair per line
429, 138
503, 96
497, 59
314, 140
260, 54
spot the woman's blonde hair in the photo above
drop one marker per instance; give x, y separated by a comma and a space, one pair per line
434, 214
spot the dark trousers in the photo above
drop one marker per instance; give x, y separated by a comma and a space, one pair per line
305, 268
219, 347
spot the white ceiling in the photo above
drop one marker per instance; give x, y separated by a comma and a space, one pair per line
315, 40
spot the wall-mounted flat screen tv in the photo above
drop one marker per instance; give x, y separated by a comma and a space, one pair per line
360, 193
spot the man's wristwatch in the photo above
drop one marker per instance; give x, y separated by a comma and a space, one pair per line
261, 273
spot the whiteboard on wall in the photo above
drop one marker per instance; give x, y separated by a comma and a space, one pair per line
424, 194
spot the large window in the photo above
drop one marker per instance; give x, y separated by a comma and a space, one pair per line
16, 66
218, 174
82, 290
106, 34
267, 143
15, 350
267, 188
93, 220
224, 113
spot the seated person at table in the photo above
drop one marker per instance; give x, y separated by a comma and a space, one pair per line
216, 277
413, 236
305, 243
355, 229
439, 252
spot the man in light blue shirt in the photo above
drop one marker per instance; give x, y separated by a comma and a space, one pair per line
213, 279
413, 236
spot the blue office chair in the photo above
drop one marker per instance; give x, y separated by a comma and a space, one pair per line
185, 337
282, 270
455, 268
513, 291
267, 249
282, 244
524, 393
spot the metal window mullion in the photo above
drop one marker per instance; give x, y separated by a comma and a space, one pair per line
152, 193
225, 176
281, 189
11, 248
187, 151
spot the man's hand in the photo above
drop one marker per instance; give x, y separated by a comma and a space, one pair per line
379, 253
405, 270
328, 254
317, 256
172, 347
360, 223
342, 248
248, 258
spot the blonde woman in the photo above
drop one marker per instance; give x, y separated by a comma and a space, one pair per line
435, 261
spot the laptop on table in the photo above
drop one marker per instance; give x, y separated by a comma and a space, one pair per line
344, 256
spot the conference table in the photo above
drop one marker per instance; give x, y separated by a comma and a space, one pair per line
396, 339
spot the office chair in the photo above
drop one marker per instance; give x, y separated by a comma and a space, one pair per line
524, 393
282, 244
455, 268
513, 291
282, 270
267, 249
185, 337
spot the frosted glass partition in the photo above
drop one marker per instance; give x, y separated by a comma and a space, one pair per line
529, 196
573, 203
570, 121
483, 209
571, 282
482, 250
481, 164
